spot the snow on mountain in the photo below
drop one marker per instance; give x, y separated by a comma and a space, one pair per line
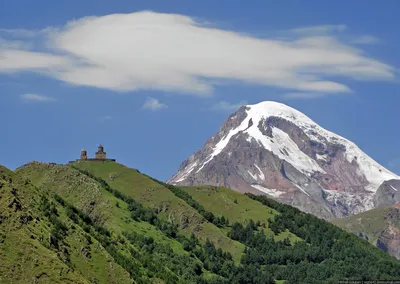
375, 173
274, 149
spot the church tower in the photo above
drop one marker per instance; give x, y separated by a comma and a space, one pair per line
83, 154
100, 154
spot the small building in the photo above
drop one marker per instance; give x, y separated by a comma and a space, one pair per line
83, 154
100, 155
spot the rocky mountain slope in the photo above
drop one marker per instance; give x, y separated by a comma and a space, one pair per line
101, 222
270, 148
381, 227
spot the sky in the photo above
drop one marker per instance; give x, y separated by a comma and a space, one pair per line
153, 80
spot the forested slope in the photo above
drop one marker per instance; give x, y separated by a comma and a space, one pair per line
101, 222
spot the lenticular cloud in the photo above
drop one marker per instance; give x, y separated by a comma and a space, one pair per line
147, 50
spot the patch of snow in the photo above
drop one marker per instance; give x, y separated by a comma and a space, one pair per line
261, 175
205, 163
367, 203
374, 173
296, 157
322, 157
302, 189
253, 176
359, 203
393, 187
186, 171
270, 191
223, 143
190, 169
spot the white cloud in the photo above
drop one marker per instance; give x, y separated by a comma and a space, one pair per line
36, 97
147, 50
226, 106
153, 104
17, 60
13, 44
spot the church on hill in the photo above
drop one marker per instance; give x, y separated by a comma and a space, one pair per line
100, 155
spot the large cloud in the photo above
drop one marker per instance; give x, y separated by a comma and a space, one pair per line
147, 50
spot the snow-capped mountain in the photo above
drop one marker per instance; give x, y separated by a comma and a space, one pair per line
270, 148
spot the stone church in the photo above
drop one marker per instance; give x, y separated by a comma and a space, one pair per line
100, 155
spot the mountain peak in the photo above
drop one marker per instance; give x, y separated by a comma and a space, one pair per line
265, 109
273, 108
271, 148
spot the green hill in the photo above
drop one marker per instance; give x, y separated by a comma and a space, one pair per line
29, 250
171, 208
101, 222
237, 207
368, 225
381, 227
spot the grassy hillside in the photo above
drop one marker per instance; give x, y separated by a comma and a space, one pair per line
150, 193
367, 225
237, 207
101, 222
89, 196
381, 227
28, 253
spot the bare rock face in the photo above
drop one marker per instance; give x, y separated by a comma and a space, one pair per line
270, 148
387, 194
389, 239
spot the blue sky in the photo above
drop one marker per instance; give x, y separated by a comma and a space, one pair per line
153, 80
